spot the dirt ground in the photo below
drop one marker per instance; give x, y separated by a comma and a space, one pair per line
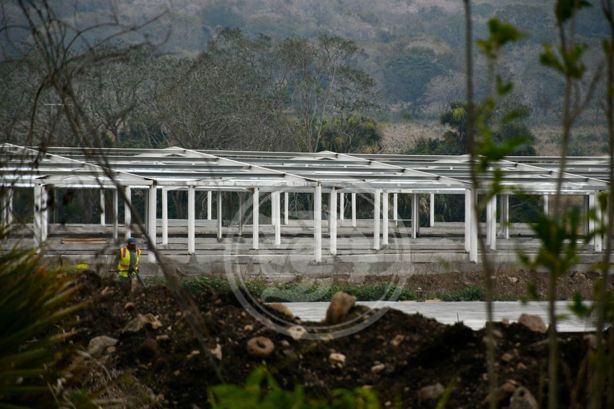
509, 286
165, 365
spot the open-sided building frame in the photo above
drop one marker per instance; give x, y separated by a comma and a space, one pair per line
342, 176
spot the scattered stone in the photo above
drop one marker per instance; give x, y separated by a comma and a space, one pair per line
282, 309
336, 358
248, 328
111, 349
217, 352
284, 343
533, 322
503, 392
497, 334
521, 366
375, 369
163, 337
129, 306
513, 280
523, 399
141, 321
260, 347
106, 290
340, 306
431, 392
296, 332
192, 354
397, 340
507, 357
98, 345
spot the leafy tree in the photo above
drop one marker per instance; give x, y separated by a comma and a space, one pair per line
356, 133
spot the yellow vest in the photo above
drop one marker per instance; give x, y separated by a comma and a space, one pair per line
124, 261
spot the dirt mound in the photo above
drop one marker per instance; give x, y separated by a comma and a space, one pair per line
397, 356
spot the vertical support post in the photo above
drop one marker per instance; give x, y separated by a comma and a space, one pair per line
493, 223
432, 210
415, 218
332, 221
341, 206
219, 215
102, 208
37, 221
474, 220
468, 211
597, 238
385, 218
255, 218
353, 209
377, 198
209, 204
591, 222
241, 211
44, 213
395, 208
546, 197
164, 216
286, 207
7, 206
488, 223
191, 220
317, 222
276, 213
115, 214
127, 213
505, 216
152, 216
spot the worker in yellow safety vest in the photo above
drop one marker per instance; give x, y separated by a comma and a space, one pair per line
129, 261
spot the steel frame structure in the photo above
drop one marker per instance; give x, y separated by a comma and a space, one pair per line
338, 174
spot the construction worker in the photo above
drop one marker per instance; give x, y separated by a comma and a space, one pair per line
129, 261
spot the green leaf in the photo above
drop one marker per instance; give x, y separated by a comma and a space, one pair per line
566, 9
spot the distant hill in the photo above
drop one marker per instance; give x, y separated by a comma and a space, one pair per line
413, 48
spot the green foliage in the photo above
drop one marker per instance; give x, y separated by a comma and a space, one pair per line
261, 391
566, 9
32, 301
500, 33
354, 133
469, 293
558, 236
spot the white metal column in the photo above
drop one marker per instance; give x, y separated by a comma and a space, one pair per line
317, 222
255, 218
505, 216
152, 216
377, 197
115, 214
468, 211
7, 208
37, 221
164, 216
353, 209
546, 200
127, 213
276, 216
431, 209
488, 223
473, 235
219, 215
493, 223
102, 208
332, 221
415, 216
385, 218
191, 221
395, 208
209, 205
44, 212
341, 206
286, 208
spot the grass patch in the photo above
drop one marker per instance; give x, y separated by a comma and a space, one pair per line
469, 293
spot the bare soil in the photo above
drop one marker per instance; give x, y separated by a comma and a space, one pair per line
167, 373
